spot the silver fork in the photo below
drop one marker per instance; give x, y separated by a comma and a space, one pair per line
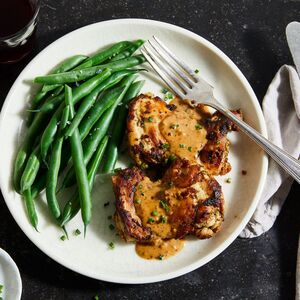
188, 85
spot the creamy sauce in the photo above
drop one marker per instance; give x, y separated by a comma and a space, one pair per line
147, 201
182, 131
148, 207
160, 249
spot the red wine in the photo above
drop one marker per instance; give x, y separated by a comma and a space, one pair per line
14, 16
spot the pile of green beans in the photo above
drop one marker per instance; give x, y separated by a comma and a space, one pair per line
75, 127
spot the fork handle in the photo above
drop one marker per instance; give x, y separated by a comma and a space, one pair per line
285, 160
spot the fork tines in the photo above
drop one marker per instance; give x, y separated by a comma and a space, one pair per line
176, 74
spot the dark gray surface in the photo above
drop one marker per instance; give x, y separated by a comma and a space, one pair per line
252, 34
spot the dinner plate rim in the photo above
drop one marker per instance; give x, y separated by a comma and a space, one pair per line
264, 166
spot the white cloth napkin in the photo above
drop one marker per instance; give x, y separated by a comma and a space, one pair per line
281, 108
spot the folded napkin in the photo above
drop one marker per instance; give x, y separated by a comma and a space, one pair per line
281, 108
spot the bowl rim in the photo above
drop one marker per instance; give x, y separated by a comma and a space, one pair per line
14, 267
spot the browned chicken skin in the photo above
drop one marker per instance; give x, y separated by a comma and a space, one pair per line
185, 201
192, 145
158, 131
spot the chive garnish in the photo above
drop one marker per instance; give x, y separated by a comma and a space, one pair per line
164, 205
63, 237
172, 157
165, 146
77, 232
174, 126
155, 213
163, 219
111, 245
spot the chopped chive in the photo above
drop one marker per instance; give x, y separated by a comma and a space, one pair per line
172, 157
117, 170
106, 204
96, 297
155, 213
63, 237
164, 91
165, 146
1, 288
150, 119
163, 219
190, 149
151, 220
170, 183
144, 166
161, 257
142, 194
111, 227
111, 245
169, 96
77, 232
182, 145
218, 142
196, 71
174, 126
164, 205
198, 126
138, 201
228, 180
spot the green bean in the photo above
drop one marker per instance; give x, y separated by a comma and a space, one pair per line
30, 207
119, 127
82, 74
65, 66
38, 185
94, 164
42, 93
104, 55
79, 167
106, 100
25, 149
90, 99
31, 169
129, 50
34, 107
79, 93
102, 103
99, 130
72, 207
54, 164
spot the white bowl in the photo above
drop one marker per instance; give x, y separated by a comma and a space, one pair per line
9, 277
92, 256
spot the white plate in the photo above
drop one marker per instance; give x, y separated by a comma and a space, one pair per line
9, 277
92, 256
